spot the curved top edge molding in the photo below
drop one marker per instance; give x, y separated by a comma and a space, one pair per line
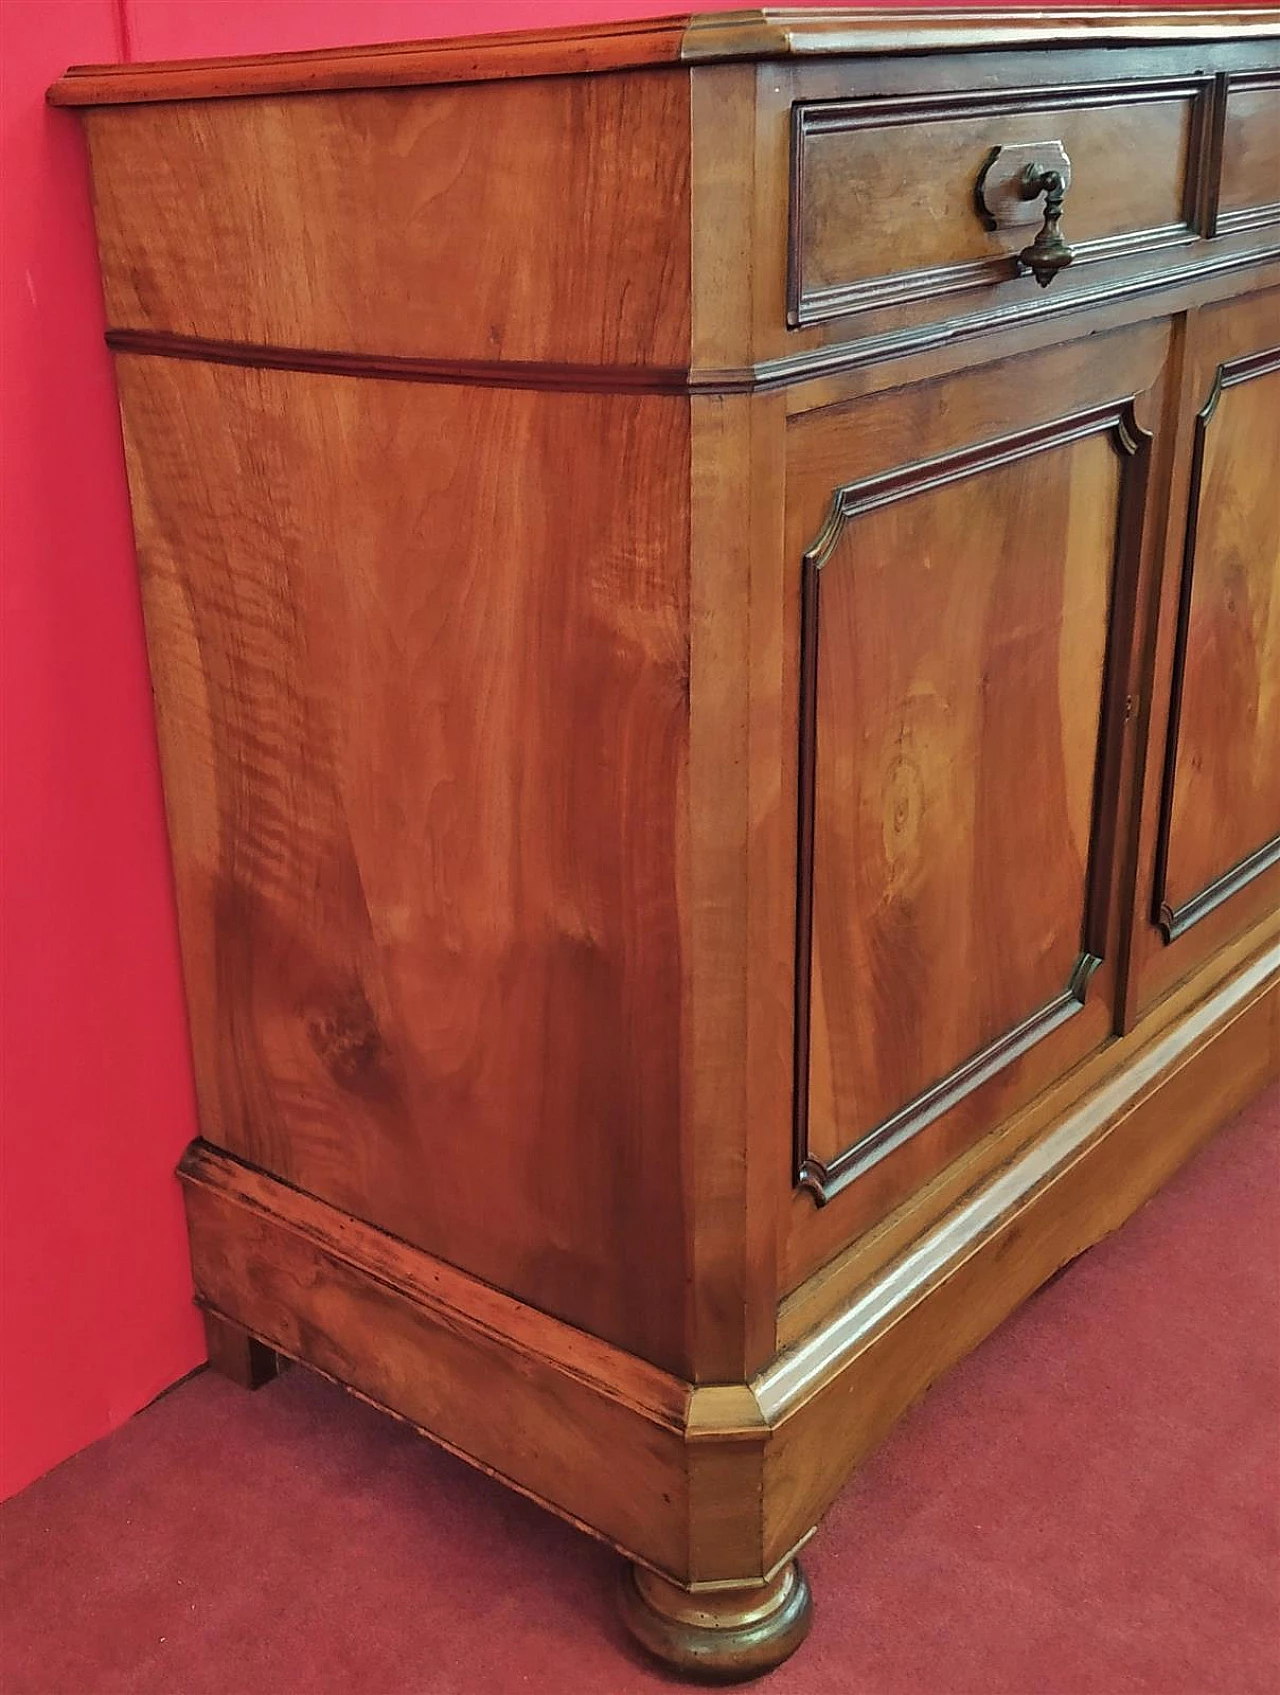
700, 38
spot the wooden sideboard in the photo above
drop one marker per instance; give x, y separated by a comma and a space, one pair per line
720, 713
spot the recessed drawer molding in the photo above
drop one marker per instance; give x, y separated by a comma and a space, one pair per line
858, 189
1249, 184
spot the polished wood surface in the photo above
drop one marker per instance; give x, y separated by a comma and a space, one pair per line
623, 45
923, 955
727, 1636
741, 1471
937, 671
1222, 776
837, 1393
393, 198
895, 181
1208, 858
717, 738
815, 1240
432, 953
1250, 190
443, 1351
631, 45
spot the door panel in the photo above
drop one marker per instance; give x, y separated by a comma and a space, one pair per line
1211, 836
1222, 769
966, 628
921, 957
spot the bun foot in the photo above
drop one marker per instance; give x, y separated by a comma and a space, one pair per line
718, 1635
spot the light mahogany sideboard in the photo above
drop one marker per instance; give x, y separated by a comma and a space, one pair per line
713, 593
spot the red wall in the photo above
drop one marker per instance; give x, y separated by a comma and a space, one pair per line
95, 1297
95, 1312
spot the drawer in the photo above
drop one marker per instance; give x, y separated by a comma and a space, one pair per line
885, 202
1249, 189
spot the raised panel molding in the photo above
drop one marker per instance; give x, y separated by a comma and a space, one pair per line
1117, 421
1172, 920
1258, 214
811, 304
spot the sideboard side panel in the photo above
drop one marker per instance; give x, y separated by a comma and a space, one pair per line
533, 220
420, 658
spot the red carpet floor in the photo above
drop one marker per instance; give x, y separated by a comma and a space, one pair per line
1087, 1506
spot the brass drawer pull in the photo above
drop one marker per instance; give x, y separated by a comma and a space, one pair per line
1049, 253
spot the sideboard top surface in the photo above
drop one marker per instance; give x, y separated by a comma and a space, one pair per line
699, 38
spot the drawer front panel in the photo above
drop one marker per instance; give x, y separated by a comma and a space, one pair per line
884, 207
1249, 193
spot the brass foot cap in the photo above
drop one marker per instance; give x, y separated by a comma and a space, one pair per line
719, 1635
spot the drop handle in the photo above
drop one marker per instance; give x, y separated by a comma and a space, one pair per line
1049, 253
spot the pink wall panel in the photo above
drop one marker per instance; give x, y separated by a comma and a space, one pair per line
95, 1314
163, 29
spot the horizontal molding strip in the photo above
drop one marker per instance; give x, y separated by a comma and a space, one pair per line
839, 300
836, 358
762, 33
784, 372
478, 373
1173, 921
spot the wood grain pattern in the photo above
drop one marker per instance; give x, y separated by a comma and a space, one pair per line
723, 1482
559, 375
731, 1199
868, 1257
382, 290
929, 968
1227, 332
474, 466
830, 32
740, 880
431, 937
1249, 186
548, 1411
979, 298
883, 191
1221, 818
376, 204
939, 669
831, 1399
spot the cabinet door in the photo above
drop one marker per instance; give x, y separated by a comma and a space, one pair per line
968, 555
1211, 836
